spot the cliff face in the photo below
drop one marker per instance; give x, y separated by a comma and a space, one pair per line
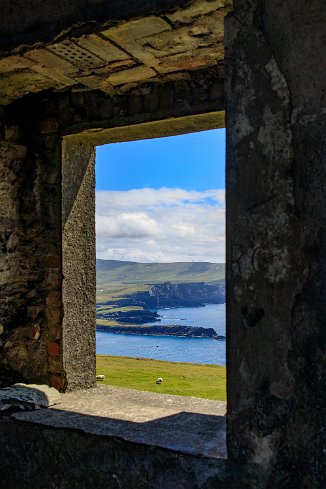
181, 295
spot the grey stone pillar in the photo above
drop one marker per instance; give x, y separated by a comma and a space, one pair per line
79, 266
276, 238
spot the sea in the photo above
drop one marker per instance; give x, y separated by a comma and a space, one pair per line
169, 348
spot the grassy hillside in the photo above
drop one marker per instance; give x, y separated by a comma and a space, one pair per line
105, 291
110, 272
184, 379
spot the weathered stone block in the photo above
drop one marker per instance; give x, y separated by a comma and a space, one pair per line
34, 311
13, 133
53, 298
54, 349
53, 315
57, 381
135, 104
151, 101
186, 15
28, 397
132, 75
107, 51
49, 125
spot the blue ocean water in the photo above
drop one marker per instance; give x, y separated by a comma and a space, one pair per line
173, 349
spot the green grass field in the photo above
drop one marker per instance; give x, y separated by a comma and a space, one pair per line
183, 379
110, 309
121, 272
108, 292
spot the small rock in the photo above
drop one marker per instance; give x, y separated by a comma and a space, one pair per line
27, 397
100, 377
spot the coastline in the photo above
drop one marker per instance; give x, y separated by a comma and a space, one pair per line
159, 330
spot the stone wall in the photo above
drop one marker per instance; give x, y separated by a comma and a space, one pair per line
30, 253
276, 265
91, 114
64, 458
44, 22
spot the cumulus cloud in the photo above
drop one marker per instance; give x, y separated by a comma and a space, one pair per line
127, 224
160, 225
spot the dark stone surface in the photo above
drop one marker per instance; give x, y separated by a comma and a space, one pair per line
60, 458
276, 268
28, 397
41, 22
30, 257
99, 118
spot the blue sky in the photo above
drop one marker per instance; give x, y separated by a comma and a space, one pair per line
162, 199
191, 161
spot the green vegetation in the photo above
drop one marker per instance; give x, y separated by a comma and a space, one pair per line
110, 309
110, 272
116, 279
105, 291
107, 322
184, 379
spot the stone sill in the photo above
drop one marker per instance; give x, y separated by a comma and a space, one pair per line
116, 438
185, 424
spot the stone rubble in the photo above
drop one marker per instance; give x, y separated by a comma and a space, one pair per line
27, 397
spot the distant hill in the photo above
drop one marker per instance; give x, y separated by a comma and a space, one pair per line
127, 272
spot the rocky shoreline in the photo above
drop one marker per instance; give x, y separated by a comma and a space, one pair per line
140, 316
167, 330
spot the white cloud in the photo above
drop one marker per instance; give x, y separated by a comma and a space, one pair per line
160, 225
126, 224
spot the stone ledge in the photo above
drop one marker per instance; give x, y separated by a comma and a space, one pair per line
36, 456
170, 126
114, 438
184, 424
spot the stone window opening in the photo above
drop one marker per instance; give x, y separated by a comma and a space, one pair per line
79, 285
78, 234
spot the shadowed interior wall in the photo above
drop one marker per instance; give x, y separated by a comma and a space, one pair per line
30, 249
276, 238
79, 271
